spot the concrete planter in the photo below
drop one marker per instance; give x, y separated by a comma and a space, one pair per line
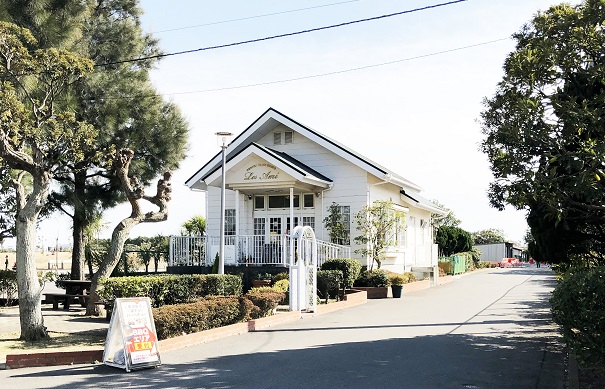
260, 283
380, 292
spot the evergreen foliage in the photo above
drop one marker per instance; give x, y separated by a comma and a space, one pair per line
453, 240
545, 132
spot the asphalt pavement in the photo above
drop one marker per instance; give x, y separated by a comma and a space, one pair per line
487, 329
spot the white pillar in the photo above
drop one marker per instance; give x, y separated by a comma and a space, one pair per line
237, 221
292, 210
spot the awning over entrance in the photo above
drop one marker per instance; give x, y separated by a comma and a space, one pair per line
259, 170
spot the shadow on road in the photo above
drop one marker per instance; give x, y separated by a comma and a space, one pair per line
455, 361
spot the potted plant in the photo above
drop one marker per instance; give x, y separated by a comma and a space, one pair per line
397, 281
261, 279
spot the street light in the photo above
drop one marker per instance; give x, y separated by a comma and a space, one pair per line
222, 136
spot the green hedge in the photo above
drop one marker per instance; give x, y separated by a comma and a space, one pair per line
578, 307
373, 278
215, 311
205, 314
328, 283
171, 289
350, 269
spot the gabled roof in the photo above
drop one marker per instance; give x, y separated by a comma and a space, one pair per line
421, 202
267, 123
290, 165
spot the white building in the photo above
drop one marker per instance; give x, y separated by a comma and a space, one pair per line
496, 252
278, 169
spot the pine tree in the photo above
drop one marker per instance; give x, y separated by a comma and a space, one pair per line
118, 100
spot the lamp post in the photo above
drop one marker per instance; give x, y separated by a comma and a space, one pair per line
221, 255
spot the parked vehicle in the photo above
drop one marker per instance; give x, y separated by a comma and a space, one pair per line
510, 262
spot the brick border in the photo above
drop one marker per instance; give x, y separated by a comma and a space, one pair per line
16, 361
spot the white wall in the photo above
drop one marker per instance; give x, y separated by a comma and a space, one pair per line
352, 186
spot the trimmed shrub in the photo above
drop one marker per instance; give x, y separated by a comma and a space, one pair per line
179, 289
282, 285
485, 264
328, 283
411, 277
577, 306
266, 299
350, 269
8, 285
397, 279
222, 285
211, 312
445, 267
170, 289
373, 278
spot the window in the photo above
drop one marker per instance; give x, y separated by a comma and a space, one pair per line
259, 226
277, 138
282, 201
259, 202
395, 237
345, 215
399, 233
288, 137
308, 200
309, 221
229, 221
288, 227
275, 225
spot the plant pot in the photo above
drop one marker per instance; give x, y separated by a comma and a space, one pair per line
396, 289
259, 283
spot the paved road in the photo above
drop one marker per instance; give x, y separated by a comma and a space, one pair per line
489, 329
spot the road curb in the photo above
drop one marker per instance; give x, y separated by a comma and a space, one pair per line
16, 361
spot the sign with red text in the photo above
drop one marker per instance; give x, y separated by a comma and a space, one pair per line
132, 341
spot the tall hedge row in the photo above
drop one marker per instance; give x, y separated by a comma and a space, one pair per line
171, 289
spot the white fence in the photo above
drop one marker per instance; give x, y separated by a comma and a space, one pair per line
244, 250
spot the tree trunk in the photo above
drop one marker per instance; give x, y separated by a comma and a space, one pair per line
79, 224
30, 304
28, 285
77, 255
134, 193
118, 239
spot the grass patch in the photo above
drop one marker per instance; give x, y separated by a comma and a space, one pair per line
58, 341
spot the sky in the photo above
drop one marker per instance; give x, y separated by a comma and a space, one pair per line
413, 104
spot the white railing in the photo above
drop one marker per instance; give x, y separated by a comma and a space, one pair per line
327, 250
244, 250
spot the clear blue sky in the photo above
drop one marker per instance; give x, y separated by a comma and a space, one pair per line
417, 116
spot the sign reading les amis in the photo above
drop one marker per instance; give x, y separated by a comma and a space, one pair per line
261, 172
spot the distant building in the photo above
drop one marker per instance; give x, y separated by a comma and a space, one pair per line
494, 252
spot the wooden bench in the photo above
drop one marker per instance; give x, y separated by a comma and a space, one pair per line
66, 299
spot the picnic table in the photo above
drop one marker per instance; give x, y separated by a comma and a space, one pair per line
75, 291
